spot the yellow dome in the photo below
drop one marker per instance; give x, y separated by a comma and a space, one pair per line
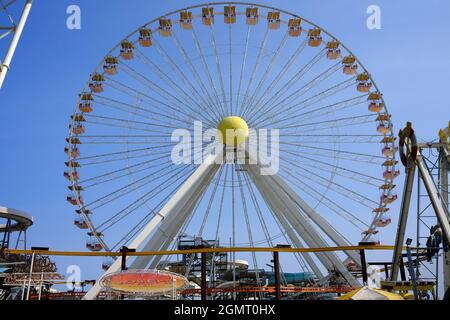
239, 127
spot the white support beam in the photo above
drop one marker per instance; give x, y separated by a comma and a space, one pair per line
5, 64
179, 199
300, 223
277, 210
322, 223
169, 228
403, 218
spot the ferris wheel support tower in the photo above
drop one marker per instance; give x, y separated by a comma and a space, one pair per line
4, 67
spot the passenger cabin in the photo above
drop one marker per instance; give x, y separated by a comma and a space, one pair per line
229, 14
383, 220
80, 222
78, 117
110, 66
391, 174
388, 198
186, 20
145, 38
388, 151
375, 102
73, 140
387, 186
208, 16
107, 263
252, 16
165, 27
333, 50
371, 238
380, 210
127, 50
75, 188
77, 129
85, 105
273, 19
364, 83
96, 84
350, 65
74, 199
295, 27
384, 127
315, 37
72, 164
93, 243
72, 152
351, 266
72, 176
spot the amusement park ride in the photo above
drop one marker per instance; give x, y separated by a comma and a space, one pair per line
237, 67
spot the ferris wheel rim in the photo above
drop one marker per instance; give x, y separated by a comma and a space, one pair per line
92, 228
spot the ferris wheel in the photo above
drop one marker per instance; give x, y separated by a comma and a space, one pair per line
232, 66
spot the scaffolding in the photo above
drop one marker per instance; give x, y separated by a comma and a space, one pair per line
433, 228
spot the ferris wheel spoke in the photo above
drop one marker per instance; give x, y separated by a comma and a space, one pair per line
217, 61
330, 108
117, 177
158, 89
312, 101
112, 120
125, 158
249, 229
208, 72
152, 102
338, 138
206, 107
275, 55
127, 189
244, 62
270, 100
231, 68
210, 203
258, 210
335, 123
255, 68
197, 77
338, 153
132, 207
333, 206
351, 173
286, 107
129, 127
282, 73
331, 184
134, 110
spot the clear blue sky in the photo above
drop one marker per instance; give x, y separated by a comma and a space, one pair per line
408, 57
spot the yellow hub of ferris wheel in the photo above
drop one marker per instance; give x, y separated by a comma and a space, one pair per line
233, 131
